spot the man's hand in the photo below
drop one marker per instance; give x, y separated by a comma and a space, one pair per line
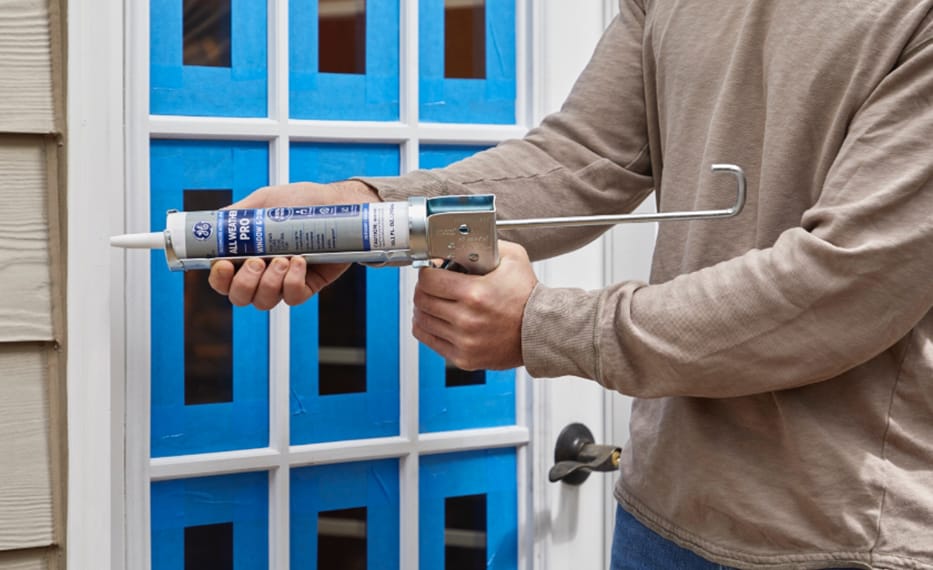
475, 321
293, 281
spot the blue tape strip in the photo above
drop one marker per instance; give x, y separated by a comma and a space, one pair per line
441, 156
461, 407
244, 423
490, 100
373, 413
236, 91
374, 485
242, 499
373, 96
490, 472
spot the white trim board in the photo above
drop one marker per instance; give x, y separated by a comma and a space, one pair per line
94, 210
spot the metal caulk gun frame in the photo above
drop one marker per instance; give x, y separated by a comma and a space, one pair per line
448, 234
461, 230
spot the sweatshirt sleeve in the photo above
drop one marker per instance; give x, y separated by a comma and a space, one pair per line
591, 157
841, 288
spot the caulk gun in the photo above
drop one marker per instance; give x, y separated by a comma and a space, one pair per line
460, 230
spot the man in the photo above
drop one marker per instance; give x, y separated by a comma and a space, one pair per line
782, 361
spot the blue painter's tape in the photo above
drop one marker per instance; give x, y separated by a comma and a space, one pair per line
460, 407
373, 413
370, 96
241, 499
437, 156
486, 101
236, 91
178, 429
373, 484
490, 472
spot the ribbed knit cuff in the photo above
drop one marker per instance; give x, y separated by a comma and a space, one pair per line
398, 188
558, 332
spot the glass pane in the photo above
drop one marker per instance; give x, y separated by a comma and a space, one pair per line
345, 516
468, 510
454, 376
451, 398
342, 539
343, 59
466, 63
208, 323
207, 33
208, 58
465, 39
465, 533
342, 334
209, 547
342, 36
211, 523
344, 343
203, 350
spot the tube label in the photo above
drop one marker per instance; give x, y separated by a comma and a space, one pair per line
296, 230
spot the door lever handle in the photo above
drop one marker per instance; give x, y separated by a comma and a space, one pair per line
576, 455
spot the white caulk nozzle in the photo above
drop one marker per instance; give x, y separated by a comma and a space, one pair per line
154, 240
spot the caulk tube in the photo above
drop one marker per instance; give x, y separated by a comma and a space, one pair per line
192, 239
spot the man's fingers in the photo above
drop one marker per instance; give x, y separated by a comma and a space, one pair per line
269, 292
433, 325
295, 289
443, 309
435, 343
444, 284
221, 276
245, 282
320, 276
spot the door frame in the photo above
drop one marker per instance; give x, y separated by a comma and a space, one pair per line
96, 294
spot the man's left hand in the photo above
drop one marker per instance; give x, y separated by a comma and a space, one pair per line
475, 321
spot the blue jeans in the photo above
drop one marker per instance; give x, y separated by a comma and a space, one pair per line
636, 547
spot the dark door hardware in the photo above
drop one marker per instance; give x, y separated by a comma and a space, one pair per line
576, 455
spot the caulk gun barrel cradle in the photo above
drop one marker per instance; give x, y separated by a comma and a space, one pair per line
460, 230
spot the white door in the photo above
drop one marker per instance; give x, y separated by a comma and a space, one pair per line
286, 440
574, 524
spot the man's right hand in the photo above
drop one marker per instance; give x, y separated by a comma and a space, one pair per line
282, 279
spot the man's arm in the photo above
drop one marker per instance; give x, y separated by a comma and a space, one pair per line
852, 280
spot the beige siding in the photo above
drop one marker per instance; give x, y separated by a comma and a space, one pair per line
37, 559
27, 104
25, 283
26, 476
32, 420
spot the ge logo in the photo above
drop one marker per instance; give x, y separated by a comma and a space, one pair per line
201, 230
326, 210
280, 214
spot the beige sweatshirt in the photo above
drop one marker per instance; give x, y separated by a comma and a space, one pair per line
782, 361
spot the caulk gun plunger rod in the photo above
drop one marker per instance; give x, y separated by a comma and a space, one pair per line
612, 219
153, 240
